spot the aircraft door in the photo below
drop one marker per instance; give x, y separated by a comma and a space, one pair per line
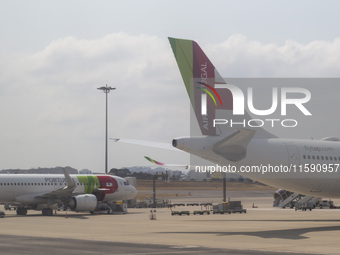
293, 154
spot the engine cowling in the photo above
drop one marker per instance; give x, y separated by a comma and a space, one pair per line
86, 202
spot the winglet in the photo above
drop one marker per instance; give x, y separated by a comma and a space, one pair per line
70, 183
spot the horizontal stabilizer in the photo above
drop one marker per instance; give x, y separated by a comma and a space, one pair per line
234, 147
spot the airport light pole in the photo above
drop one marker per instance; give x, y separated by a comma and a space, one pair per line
224, 187
106, 90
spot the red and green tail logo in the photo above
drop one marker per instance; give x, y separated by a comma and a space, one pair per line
209, 93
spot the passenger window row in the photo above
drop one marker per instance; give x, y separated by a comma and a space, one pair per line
313, 157
40, 184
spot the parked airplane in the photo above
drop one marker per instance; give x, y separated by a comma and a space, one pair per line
77, 192
309, 167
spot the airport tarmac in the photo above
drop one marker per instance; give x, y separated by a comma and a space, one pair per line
262, 230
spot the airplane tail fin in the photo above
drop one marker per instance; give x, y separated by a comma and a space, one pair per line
207, 91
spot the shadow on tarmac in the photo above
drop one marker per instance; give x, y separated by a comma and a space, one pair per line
61, 215
291, 234
18, 245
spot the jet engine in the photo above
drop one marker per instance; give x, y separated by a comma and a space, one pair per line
86, 202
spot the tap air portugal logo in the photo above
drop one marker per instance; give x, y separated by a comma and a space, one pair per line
204, 97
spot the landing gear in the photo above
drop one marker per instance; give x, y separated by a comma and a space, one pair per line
47, 212
21, 211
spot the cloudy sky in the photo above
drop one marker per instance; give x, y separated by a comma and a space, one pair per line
54, 54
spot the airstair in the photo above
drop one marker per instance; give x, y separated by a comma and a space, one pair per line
285, 198
286, 202
307, 202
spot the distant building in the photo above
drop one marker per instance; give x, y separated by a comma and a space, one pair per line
41, 170
197, 176
85, 171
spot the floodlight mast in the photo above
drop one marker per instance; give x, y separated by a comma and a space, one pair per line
106, 90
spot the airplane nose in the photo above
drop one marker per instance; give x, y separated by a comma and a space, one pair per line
132, 191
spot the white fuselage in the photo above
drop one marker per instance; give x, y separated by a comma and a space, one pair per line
309, 167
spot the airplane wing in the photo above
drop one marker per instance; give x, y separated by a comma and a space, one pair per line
166, 146
60, 195
64, 192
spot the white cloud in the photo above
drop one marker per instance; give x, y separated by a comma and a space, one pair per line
240, 57
52, 113
51, 96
